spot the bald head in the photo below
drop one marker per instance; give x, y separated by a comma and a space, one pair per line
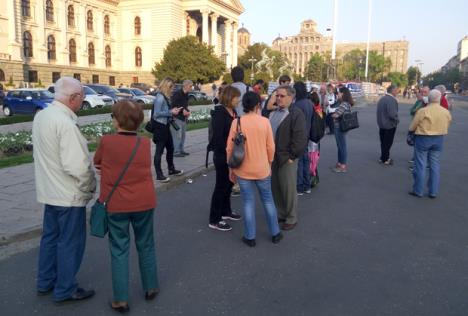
434, 96
69, 92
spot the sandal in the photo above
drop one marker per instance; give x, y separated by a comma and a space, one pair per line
120, 308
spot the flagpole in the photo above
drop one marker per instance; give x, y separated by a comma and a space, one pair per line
368, 39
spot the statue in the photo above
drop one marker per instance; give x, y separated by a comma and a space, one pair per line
287, 68
266, 62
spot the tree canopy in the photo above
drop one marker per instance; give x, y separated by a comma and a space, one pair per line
317, 69
414, 75
448, 78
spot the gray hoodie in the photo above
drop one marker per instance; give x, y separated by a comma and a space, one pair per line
387, 112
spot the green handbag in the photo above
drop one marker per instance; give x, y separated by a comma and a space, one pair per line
98, 219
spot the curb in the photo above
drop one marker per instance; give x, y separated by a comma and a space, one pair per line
36, 231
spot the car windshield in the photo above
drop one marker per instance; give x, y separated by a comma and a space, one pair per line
137, 92
41, 94
89, 91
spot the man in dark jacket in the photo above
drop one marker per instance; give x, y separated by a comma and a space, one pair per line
289, 129
387, 120
180, 99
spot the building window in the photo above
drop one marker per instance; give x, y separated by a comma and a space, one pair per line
2, 75
91, 59
51, 47
138, 57
95, 78
106, 25
72, 51
71, 16
27, 44
108, 56
25, 8
55, 76
89, 20
137, 25
32, 76
135, 79
111, 80
77, 76
49, 11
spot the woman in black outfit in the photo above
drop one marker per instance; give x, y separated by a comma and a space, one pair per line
221, 120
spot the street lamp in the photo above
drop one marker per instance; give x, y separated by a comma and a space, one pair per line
419, 63
368, 40
252, 60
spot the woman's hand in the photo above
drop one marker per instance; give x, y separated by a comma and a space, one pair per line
232, 176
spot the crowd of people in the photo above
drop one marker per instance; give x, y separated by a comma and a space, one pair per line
281, 146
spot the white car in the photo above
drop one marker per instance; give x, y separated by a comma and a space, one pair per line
138, 95
92, 99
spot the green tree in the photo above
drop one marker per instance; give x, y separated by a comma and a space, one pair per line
316, 69
187, 58
414, 75
448, 78
379, 66
398, 79
352, 65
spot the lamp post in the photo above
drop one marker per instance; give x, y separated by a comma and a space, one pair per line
368, 39
252, 60
419, 63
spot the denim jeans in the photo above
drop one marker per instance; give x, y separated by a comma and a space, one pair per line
427, 149
61, 252
303, 173
248, 200
341, 144
178, 137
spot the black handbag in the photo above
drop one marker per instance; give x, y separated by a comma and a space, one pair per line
98, 219
349, 120
410, 139
238, 151
149, 126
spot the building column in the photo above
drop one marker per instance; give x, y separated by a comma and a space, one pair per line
205, 33
227, 42
184, 24
39, 37
234, 44
61, 46
214, 32
80, 40
13, 40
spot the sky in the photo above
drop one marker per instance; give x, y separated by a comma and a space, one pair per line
433, 28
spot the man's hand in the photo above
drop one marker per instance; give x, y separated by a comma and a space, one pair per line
176, 111
290, 161
186, 113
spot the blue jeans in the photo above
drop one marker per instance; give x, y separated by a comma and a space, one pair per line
427, 149
303, 173
341, 144
248, 200
61, 252
178, 137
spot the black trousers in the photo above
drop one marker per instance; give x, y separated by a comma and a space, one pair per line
163, 140
386, 142
330, 123
221, 198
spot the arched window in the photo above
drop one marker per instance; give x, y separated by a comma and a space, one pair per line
91, 59
49, 11
108, 56
89, 20
71, 15
2, 75
137, 25
72, 50
25, 8
51, 47
106, 25
27, 44
138, 57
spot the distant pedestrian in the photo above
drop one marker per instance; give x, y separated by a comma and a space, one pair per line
304, 104
387, 120
222, 117
180, 99
289, 129
213, 89
443, 99
323, 97
65, 183
332, 103
237, 74
255, 170
345, 102
258, 86
162, 119
430, 125
133, 201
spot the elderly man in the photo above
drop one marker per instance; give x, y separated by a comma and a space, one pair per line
65, 183
289, 130
422, 100
387, 120
443, 99
430, 124
180, 99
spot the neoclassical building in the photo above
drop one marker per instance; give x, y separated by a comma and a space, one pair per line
107, 41
299, 48
243, 40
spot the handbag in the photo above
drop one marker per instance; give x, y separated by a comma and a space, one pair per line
149, 126
98, 219
410, 139
349, 120
238, 151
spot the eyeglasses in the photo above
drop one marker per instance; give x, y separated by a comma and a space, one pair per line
281, 96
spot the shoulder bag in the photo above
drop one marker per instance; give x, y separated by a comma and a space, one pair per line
149, 126
349, 120
238, 151
98, 219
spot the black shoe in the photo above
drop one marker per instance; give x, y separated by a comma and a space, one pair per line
175, 172
432, 196
163, 179
41, 292
151, 294
122, 309
80, 295
185, 153
277, 238
233, 217
281, 220
249, 242
222, 226
179, 155
414, 194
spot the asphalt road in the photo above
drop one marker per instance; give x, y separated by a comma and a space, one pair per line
363, 246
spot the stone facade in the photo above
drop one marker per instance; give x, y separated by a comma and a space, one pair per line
244, 40
109, 41
299, 48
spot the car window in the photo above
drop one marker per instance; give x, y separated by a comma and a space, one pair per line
52, 89
89, 91
25, 94
44, 94
137, 92
125, 91
15, 94
98, 89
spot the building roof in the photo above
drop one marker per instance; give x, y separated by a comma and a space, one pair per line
243, 30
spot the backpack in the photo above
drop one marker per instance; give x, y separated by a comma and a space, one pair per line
317, 128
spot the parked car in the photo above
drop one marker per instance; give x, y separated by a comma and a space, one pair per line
115, 94
26, 101
355, 89
138, 95
193, 95
91, 99
142, 86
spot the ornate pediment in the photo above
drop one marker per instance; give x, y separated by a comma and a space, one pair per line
233, 4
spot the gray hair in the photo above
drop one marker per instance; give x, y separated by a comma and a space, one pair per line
289, 90
434, 96
391, 88
66, 86
441, 88
187, 83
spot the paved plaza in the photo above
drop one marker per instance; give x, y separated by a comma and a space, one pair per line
363, 246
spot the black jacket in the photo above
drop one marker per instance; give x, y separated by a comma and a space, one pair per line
291, 137
221, 123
